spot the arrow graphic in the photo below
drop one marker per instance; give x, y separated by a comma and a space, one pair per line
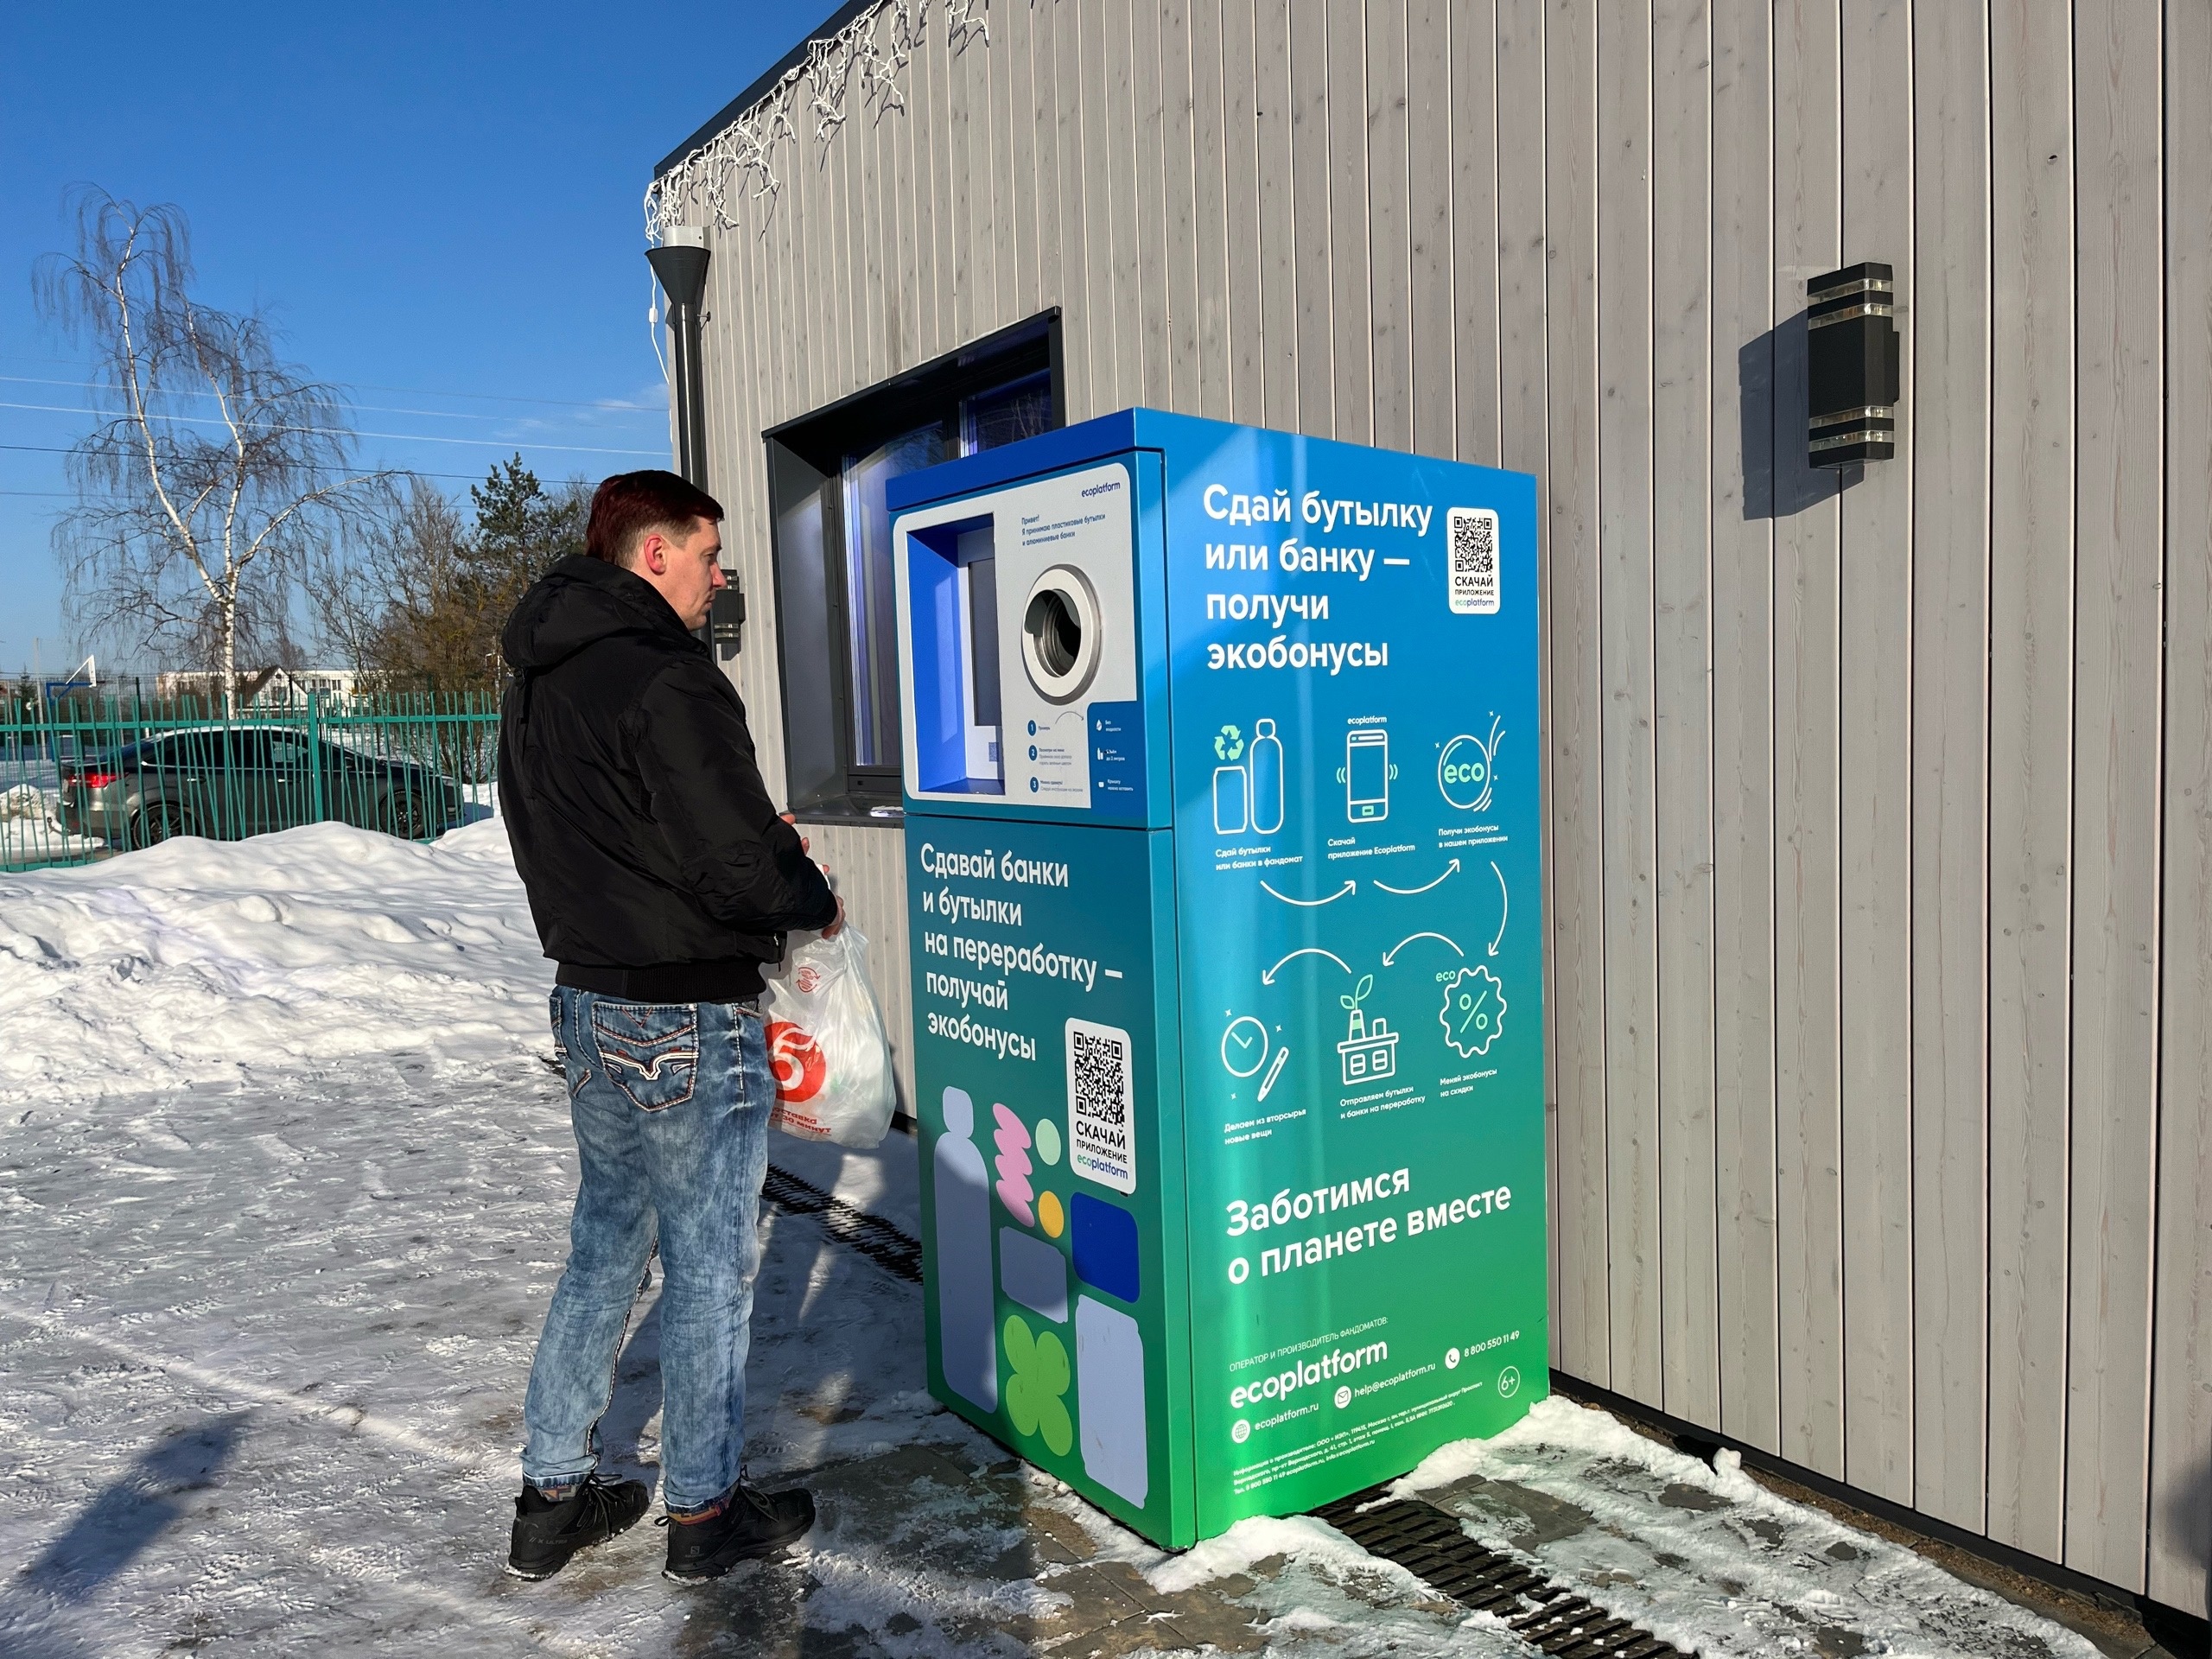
1390, 954
1450, 870
1269, 978
1504, 905
1310, 903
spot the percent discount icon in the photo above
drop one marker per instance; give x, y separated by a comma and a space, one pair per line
1474, 1008
796, 1060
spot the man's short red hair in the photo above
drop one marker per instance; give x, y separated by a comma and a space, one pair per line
629, 506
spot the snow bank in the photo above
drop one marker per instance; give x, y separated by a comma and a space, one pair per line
199, 961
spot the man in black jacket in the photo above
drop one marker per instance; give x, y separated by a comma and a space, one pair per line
661, 877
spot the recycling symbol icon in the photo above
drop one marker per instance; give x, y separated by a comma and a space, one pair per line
1228, 744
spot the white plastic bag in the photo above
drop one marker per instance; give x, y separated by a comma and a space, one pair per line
826, 1043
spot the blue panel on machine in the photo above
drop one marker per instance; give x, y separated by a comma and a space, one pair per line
1105, 1246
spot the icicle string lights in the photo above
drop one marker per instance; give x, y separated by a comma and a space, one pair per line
863, 60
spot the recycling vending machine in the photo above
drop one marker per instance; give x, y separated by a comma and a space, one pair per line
1223, 876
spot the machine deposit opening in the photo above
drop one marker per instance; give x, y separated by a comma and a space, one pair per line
1056, 632
1060, 634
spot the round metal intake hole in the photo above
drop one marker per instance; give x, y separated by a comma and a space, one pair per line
1060, 634
1057, 631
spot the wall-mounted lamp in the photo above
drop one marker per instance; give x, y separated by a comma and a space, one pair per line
681, 264
726, 622
1852, 364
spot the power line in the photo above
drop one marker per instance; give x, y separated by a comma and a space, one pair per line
502, 398
56, 450
365, 386
377, 408
344, 432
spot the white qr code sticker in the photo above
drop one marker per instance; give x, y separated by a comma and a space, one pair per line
1102, 1106
1471, 572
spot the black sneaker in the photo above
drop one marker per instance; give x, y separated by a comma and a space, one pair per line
547, 1533
755, 1523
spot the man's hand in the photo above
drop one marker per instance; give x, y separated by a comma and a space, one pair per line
805, 845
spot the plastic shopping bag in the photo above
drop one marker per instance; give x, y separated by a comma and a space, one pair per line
826, 1043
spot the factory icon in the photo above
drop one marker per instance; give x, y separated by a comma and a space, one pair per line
1370, 1050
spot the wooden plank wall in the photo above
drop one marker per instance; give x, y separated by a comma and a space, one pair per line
1880, 810
2181, 1344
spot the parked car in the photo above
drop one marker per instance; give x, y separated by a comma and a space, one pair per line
227, 782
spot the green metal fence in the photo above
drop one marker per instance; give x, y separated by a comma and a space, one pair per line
88, 778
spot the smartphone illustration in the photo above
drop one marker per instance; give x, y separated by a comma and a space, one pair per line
1367, 775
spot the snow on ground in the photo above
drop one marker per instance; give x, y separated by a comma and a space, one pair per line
1631, 1523
30, 827
199, 961
284, 1189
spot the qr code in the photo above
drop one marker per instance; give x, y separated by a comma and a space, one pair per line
1472, 576
1101, 1079
1101, 1119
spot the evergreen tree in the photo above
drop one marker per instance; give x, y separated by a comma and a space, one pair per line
423, 610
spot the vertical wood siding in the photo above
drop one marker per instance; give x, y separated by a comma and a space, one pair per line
2181, 1325
1879, 810
1949, 330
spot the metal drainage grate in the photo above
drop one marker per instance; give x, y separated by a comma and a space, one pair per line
877, 1240
1431, 1544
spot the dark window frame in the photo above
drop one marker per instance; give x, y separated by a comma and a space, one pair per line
805, 459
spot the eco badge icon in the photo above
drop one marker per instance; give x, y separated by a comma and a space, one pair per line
1033, 1393
1474, 1008
1228, 744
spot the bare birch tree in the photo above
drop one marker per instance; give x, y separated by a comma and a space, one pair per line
217, 471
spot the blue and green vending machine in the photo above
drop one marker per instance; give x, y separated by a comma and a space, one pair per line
1220, 757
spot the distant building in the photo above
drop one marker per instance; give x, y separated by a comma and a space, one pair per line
287, 687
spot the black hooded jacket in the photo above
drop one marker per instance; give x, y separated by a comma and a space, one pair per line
657, 867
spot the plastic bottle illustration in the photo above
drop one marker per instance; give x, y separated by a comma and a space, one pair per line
965, 1302
1266, 778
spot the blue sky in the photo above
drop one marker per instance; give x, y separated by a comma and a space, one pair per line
438, 205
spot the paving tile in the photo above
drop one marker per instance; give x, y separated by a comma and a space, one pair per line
1140, 1633
1057, 1536
1215, 1625
1099, 1600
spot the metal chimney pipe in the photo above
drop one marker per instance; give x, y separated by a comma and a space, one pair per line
681, 265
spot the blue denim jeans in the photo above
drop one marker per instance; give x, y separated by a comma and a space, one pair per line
671, 1104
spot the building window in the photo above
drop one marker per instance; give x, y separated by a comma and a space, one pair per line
837, 609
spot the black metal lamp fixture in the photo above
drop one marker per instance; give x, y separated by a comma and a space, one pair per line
1852, 364
681, 264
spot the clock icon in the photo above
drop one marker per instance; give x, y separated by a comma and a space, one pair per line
1244, 1046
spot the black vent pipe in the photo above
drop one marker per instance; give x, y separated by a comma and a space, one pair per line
682, 269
